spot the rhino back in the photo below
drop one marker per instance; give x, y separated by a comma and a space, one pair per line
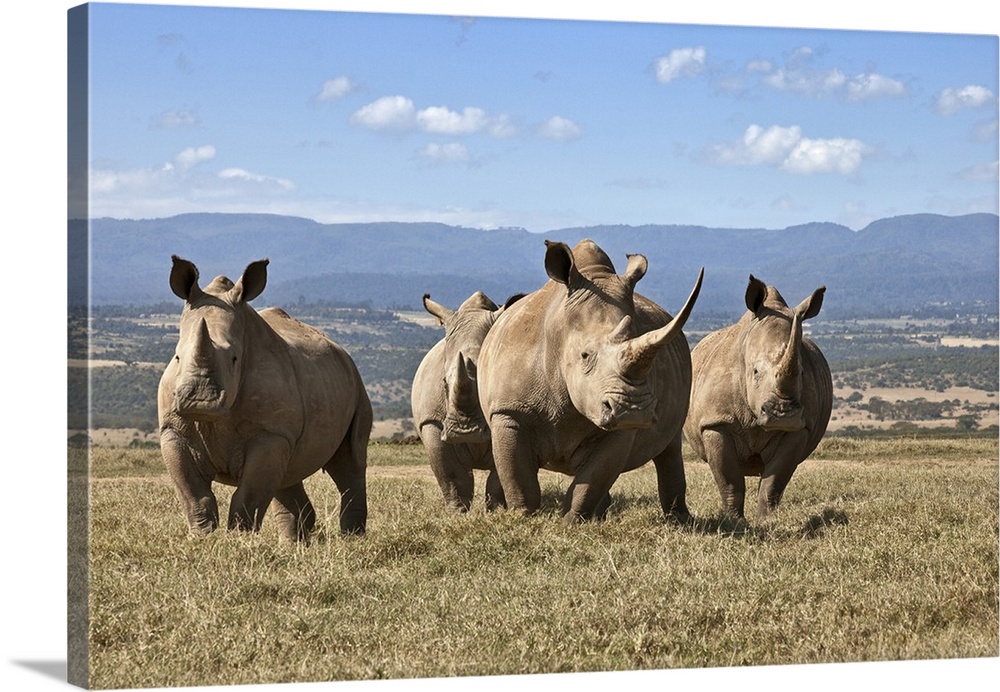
817, 391
302, 386
517, 372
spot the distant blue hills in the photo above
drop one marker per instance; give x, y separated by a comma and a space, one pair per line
897, 265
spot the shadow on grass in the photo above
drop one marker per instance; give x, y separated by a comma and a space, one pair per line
818, 523
734, 527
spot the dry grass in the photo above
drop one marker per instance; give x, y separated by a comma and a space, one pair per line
883, 551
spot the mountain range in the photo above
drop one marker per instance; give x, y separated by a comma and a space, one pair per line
893, 266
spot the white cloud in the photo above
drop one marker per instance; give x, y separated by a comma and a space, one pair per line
951, 101
786, 148
560, 129
398, 113
453, 152
680, 62
799, 75
241, 174
387, 113
758, 146
869, 86
441, 120
176, 119
806, 81
335, 88
983, 172
192, 156
825, 156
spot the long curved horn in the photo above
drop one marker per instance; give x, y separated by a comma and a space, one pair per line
638, 353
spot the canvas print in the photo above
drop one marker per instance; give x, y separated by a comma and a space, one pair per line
421, 347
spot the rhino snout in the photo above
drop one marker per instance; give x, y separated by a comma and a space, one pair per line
782, 414
616, 414
459, 429
200, 401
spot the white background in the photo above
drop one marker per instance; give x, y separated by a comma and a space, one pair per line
33, 397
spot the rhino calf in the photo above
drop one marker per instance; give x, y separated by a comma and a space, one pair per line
760, 398
588, 378
445, 402
260, 401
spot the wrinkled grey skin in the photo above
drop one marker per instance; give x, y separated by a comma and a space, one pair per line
260, 401
445, 402
590, 379
761, 398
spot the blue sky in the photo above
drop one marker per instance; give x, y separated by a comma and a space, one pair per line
538, 123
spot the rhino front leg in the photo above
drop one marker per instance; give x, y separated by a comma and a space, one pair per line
455, 480
588, 496
494, 491
192, 484
671, 484
515, 464
778, 471
721, 455
293, 513
265, 462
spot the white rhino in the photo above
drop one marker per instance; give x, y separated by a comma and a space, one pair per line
445, 401
260, 401
761, 397
587, 378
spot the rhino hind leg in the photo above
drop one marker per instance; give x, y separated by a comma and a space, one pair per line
348, 468
671, 483
265, 459
293, 513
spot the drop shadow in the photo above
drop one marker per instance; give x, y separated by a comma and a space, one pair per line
56, 670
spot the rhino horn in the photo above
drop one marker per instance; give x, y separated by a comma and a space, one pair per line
638, 353
203, 355
788, 365
622, 332
441, 312
465, 385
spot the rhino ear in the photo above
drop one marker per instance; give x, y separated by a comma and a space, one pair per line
252, 283
441, 312
635, 270
810, 307
756, 292
183, 278
560, 265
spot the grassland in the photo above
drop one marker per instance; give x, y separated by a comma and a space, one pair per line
884, 549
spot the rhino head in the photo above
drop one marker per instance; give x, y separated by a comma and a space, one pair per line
210, 349
771, 347
465, 329
604, 363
